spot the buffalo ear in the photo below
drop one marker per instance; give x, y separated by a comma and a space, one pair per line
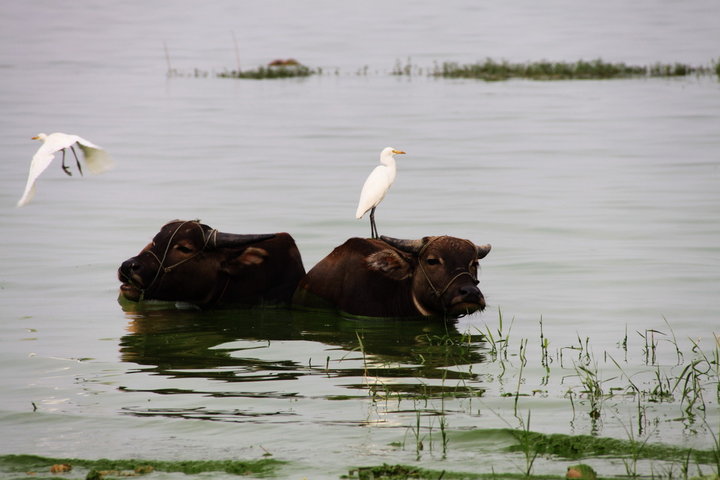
390, 263
253, 256
249, 257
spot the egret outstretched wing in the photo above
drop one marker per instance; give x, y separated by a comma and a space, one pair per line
96, 158
40, 162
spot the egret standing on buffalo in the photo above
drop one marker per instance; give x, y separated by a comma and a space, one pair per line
377, 185
96, 158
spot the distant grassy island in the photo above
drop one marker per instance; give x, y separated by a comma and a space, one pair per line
276, 69
488, 70
491, 70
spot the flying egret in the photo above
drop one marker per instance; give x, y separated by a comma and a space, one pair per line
96, 159
377, 185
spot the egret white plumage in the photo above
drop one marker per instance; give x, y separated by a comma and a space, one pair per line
377, 185
96, 159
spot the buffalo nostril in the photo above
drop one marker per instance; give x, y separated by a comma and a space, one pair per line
130, 266
470, 290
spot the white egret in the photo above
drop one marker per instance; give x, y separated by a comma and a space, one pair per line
377, 185
96, 159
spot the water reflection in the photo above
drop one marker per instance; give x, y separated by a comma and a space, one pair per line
250, 347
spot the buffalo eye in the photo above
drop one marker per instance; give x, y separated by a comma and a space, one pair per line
433, 261
183, 249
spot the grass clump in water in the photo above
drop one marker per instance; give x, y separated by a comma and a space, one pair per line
114, 468
491, 70
276, 69
405, 472
583, 446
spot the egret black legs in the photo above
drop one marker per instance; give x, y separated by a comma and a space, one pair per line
65, 167
76, 159
373, 227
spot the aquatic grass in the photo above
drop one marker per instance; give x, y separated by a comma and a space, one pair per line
635, 449
662, 391
651, 344
524, 441
577, 447
34, 463
674, 342
715, 452
444, 438
624, 343
487, 70
544, 344
523, 362
492, 70
637, 394
271, 72
590, 380
583, 351
499, 341
690, 382
406, 472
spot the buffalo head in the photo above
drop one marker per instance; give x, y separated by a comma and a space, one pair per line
443, 270
189, 261
388, 277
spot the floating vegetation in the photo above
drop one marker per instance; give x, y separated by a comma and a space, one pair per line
276, 69
685, 389
34, 466
576, 447
492, 70
489, 70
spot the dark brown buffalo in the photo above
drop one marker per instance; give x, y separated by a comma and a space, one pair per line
191, 262
387, 277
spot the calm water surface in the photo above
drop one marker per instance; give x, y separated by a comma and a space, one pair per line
601, 200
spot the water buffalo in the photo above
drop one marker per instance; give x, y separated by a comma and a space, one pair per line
190, 262
388, 277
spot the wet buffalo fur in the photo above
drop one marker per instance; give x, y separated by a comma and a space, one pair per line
369, 277
190, 262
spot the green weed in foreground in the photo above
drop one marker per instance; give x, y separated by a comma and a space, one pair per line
406, 472
577, 447
20, 465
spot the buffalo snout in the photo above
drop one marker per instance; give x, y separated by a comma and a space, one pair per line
130, 266
470, 292
467, 298
137, 272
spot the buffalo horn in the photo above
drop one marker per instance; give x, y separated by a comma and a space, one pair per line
230, 240
483, 250
409, 246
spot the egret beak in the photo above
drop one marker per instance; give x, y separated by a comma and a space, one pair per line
398, 152
35, 138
